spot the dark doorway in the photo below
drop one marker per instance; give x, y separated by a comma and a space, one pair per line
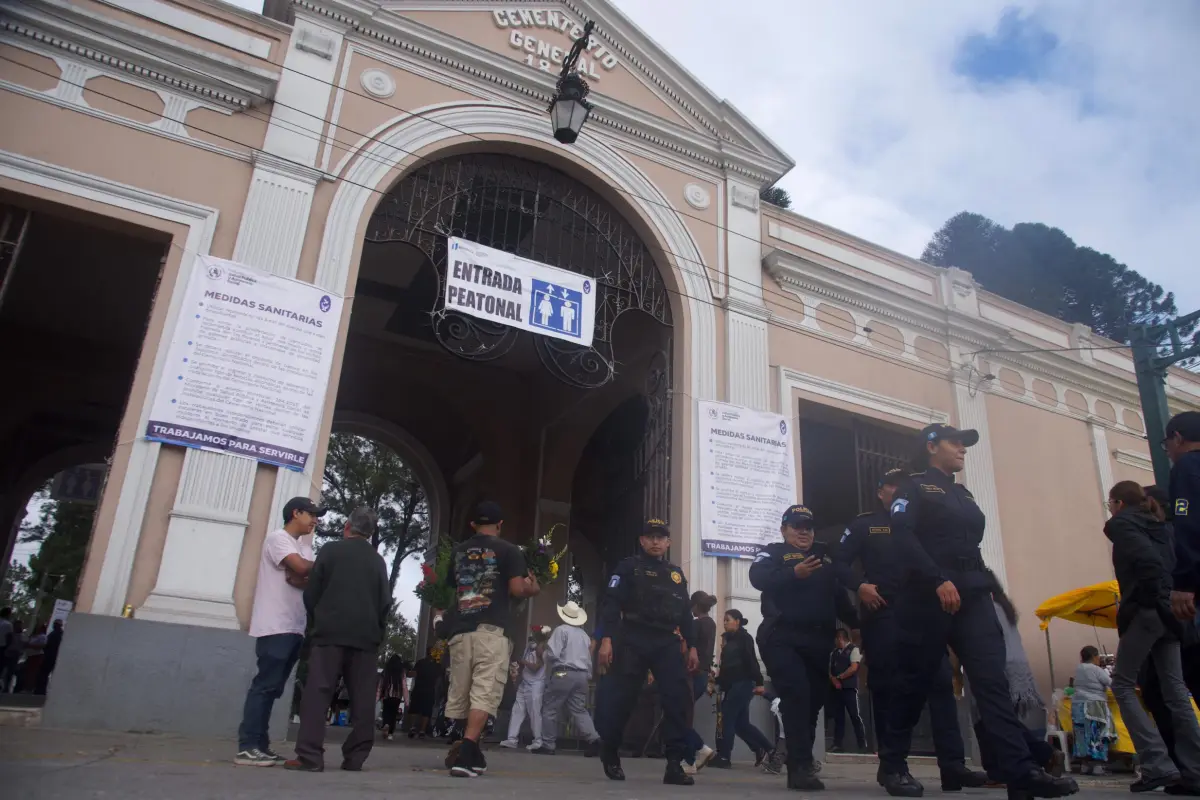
75, 297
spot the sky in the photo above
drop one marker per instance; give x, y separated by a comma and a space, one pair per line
1076, 114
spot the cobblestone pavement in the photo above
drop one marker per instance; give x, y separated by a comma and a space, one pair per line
40, 764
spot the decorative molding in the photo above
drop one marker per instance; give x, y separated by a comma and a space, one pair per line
697, 196
919, 416
377, 83
274, 220
316, 42
843, 255
743, 197
139, 52
201, 27
1132, 458
424, 128
116, 559
738, 305
1100, 457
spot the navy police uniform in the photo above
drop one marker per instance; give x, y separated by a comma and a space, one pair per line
799, 619
938, 528
646, 612
869, 541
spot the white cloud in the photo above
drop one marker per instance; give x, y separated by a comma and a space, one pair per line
889, 142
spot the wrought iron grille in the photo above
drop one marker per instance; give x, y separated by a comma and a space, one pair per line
877, 449
536, 212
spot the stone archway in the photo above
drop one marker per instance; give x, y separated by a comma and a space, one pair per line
440, 127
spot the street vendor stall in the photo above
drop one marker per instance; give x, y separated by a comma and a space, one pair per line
1094, 605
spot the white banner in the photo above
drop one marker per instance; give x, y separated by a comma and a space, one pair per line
497, 286
248, 366
748, 478
62, 610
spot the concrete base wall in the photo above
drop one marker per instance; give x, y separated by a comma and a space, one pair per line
134, 675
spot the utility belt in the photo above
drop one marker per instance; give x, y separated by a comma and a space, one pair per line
562, 672
968, 563
630, 621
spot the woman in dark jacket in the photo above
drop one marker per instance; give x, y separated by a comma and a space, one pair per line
1143, 559
740, 679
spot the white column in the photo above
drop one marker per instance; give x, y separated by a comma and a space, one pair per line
980, 474
209, 519
747, 353
1103, 457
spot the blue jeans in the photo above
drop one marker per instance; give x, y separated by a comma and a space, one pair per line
735, 718
277, 655
694, 740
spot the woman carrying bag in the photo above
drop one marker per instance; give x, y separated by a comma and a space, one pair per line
739, 679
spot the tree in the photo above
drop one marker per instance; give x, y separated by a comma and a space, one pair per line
362, 472
1042, 268
63, 529
399, 639
13, 593
776, 196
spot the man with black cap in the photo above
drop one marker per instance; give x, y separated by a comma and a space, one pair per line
869, 541
944, 598
277, 623
644, 614
801, 603
487, 572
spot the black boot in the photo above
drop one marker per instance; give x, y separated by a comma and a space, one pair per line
902, 785
1040, 784
611, 761
675, 776
959, 777
803, 778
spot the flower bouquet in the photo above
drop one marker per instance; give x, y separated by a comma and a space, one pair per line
434, 588
541, 559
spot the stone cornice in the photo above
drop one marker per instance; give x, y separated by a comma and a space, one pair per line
139, 52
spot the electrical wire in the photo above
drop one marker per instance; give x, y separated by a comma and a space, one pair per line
854, 332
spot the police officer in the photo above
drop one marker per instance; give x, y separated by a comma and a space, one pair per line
801, 601
945, 599
644, 614
1182, 444
868, 541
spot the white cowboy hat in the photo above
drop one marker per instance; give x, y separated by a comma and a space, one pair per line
572, 614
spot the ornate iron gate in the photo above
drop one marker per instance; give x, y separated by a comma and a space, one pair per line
537, 212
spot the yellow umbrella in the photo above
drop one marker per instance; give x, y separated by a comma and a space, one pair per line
1094, 605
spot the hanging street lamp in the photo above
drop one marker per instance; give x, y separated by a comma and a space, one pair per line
568, 108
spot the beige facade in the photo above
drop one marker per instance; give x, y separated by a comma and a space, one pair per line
272, 144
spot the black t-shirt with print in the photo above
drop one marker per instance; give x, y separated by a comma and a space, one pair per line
480, 569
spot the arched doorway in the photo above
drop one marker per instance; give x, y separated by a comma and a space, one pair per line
506, 414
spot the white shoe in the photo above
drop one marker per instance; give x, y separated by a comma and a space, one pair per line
703, 756
536, 744
510, 744
689, 769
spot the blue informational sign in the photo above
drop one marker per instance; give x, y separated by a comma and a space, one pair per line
556, 308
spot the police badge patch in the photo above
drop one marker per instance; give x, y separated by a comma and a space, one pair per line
675, 576
1181, 507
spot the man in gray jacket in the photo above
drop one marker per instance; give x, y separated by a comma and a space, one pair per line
568, 668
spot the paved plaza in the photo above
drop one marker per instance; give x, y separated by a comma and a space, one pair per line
41, 764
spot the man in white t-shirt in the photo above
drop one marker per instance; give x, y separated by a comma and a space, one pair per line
277, 622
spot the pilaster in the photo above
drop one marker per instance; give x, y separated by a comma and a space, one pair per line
1100, 452
209, 520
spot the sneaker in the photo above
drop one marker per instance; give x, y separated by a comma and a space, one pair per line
774, 764
803, 777
269, 752
703, 756
1144, 784
676, 776
480, 761
510, 744
543, 751
464, 765
300, 765
255, 758
720, 763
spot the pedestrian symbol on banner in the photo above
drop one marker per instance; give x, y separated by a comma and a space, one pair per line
556, 308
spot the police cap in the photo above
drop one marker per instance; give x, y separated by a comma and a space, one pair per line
892, 477
798, 517
938, 432
656, 527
